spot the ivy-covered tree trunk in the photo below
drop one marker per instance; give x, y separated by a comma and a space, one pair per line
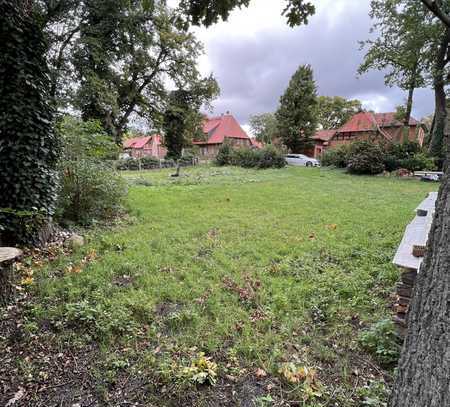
29, 148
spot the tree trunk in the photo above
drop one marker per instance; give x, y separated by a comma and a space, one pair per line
8, 255
407, 118
437, 137
423, 378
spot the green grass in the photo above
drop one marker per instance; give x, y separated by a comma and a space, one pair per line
253, 268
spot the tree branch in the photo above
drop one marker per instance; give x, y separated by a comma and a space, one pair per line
435, 8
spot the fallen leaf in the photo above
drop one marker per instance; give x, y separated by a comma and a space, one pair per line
19, 395
260, 373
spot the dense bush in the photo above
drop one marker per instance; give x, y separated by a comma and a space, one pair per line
409, 156
365, 158
90, 188
90, 191
417, 162
225, 155
336, 157
268, 157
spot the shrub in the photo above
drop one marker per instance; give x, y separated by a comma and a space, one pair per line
365, 158
382, 341
336, 157
225, 155
90, 188
245, 157
419, 161
90, 191
270, 157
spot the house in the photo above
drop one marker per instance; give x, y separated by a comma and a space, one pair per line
218, 130
145, 146
367, 126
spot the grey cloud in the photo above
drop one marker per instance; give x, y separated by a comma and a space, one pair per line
254, 71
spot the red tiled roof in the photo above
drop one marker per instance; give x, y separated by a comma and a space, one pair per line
140, 142
219, 128
324, 135
368, 121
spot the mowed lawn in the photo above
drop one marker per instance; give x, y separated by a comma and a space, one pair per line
253, 269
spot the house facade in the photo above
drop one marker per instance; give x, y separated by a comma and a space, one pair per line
218, 130
146, 146
367, 126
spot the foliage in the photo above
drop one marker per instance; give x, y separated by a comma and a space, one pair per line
29, 147
382, 341
86, 140
335, 157
112, 59
407, 155
182, 120
267, 157
365, 157
204, 12
374, 394
202, 370
265, 127
90, 188
404, 33
393, 157
224, 155
335, 111
90, 191
297, 113
310, 386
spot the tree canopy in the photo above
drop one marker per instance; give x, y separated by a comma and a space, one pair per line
335, 111
265, 127
297, 113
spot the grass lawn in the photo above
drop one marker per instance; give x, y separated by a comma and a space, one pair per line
257, 281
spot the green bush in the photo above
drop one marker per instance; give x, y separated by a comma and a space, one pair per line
90, 188
268, 157
336, 157
417, 162
90, 191
382, 341
365, 158
225, 155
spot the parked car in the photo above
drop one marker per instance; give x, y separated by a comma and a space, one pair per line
302, 160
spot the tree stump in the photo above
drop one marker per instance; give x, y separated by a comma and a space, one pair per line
8, 256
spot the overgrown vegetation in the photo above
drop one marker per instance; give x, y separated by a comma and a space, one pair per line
91, 190
368, 158
259, 281
267, 157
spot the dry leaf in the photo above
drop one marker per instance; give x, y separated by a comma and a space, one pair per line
260, 373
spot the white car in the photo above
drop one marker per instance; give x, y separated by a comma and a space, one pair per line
302, 160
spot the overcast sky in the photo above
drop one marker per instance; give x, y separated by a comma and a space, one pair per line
254, 54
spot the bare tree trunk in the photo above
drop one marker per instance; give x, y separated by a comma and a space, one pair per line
423, 378
407, 118
424, 369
